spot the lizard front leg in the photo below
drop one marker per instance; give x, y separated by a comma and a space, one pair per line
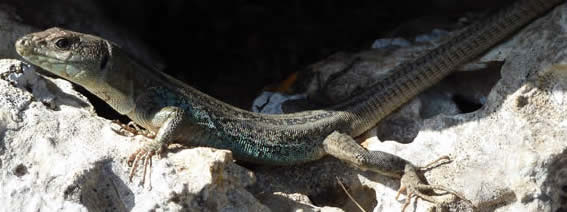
345, 148
171, 120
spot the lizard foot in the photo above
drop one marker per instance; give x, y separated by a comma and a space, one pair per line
144, 154
133, 129
413, 186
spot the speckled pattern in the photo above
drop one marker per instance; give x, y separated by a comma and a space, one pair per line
180, 113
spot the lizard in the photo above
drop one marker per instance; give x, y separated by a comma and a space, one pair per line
177, 112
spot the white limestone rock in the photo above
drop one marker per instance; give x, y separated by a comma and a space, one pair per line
511, 154
65, 158
57, 155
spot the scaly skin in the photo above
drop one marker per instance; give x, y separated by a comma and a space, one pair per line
180, 113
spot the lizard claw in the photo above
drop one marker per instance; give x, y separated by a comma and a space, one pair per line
144, 155
413, 187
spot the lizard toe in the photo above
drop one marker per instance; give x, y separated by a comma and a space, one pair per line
145, 155
414, 187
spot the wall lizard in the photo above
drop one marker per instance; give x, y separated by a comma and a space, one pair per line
176, 112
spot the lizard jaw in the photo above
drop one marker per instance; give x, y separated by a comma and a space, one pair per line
26, 48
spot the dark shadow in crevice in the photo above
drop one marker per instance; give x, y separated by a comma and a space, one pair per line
467, 91
318, 181
466, 105
102, 108
461, 92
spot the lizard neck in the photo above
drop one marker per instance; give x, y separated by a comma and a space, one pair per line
115, 84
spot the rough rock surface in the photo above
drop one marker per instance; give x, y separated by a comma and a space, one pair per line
57, 155
509, 155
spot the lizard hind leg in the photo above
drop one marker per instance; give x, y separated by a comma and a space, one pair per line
345, 148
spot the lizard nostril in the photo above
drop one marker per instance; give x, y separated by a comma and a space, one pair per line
22, 45
24, 41
21, 42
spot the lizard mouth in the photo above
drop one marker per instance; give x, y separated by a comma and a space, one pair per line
27, 47
23, 46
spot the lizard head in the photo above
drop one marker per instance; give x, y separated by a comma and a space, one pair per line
74, 56
90, 61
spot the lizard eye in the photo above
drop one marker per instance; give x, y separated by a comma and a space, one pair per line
63, 43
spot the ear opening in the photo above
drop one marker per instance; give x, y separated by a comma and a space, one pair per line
105, 58
103, 62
